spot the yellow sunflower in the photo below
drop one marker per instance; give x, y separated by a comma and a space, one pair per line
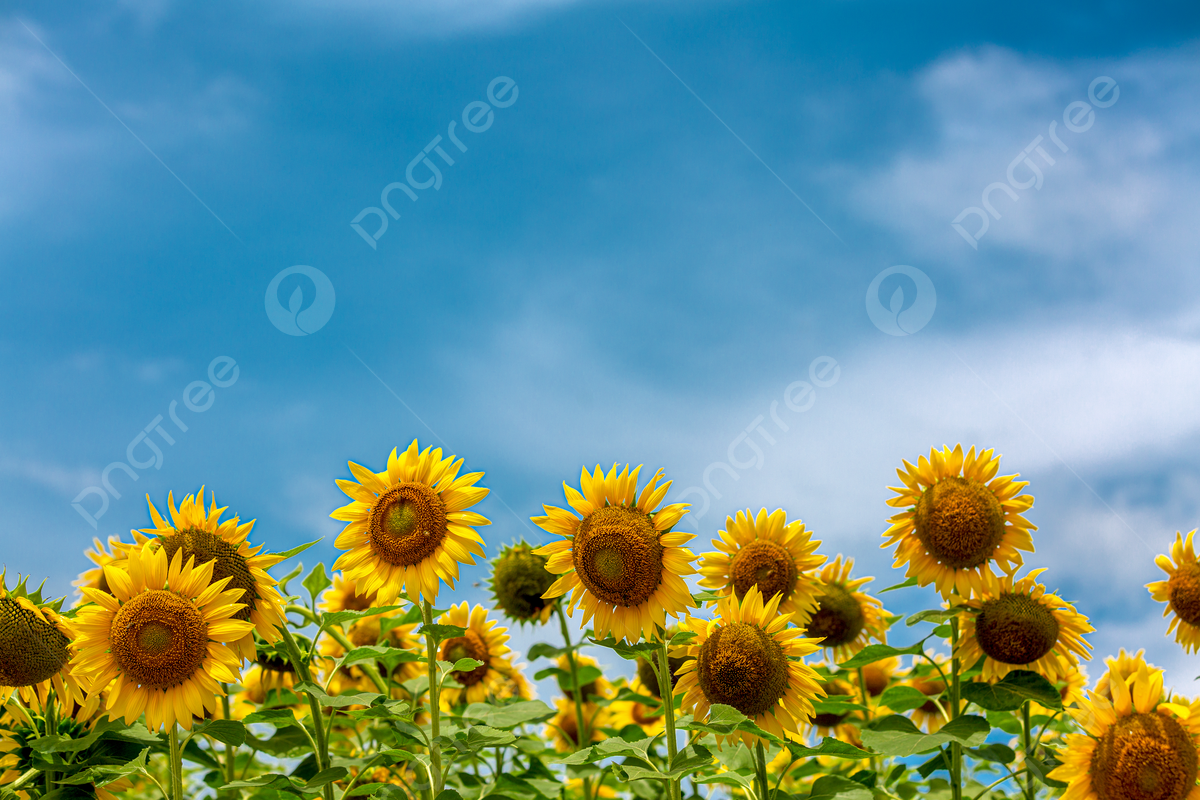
846, 620
36, 646
925, 679
749, 658
343, 595
621, 562
408, 527
366, 632
1134, 746
483, 641
519, 579
1120, 668
634, 712
194, 532
1015, 624
20, 726
563, 729
768, 552
1181, 591
960, 518
163, 638
1070, 687
839, 726
101, 555
508, 682
877, 676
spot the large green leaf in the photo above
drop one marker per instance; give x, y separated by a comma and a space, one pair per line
342, 617
341, 700
835, 786
898, 736
316, 581
903, 698
878, 652
1011, 692
509, 716
828, 747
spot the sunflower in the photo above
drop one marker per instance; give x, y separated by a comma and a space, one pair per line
100, 556
1181, 591
194, 532
1135, 747
749, 658
342, 595
20, 726
1120, 668
483, 641
519, 579
960, 517
1015, 624
366, 632
925, 679
839, 726
269, 680
648, 717
508, 682
597, 688
563, 729
408, 527
163, 638
846, 620
878, 676
768, 552
647, 674
36, 646
1070, 688
621, 561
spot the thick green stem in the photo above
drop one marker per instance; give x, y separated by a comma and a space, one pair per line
176, 764
435, 708
51, 729
866, 701
230, 750
370, 670
667, 695
955, 710
582, 734
1030, 789
320, 745
764, 788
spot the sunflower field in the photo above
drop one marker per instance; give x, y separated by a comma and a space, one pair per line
760, 669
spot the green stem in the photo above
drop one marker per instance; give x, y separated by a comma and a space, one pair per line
24, 780
51, 729
991, 786
371, 670
435, 708
866, 701
955, 710
1030, 789
667, 695
582, 734
761, 770
176, 764
320, 746
370, 765
230, 750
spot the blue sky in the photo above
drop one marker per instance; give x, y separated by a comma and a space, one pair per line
680, 211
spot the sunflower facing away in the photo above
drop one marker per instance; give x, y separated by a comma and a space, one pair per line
1015, 624
408, 527
846, 620
1120, 668
483, 641
749, 658
519, 579
508, 682
36, 646
959, 518
1135, 747
163, 638
1180, 591
839, 726
196, 533
877, 676
621, 562
768, 552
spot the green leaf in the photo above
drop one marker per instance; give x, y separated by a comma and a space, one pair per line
903, 698
449, 794
828, 747
1012, 691
342, 700
831, 786
441, 633
327, 776
272, 780
930, 615
279, 717
940, 760
226, 731
342, 617
878, 652
834, 704
543, 650
509, 716
996, 753
688, 760
627, 651
295, 551
464, 665
905, 585
480, 736
1041, 771
390, 656
316, 581
897, 736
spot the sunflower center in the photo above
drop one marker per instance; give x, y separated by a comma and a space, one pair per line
159, 639
741, 665
570, 728
959, 521
1184, 589
519, 580
768, 566
1015, 629
1144, 757
649, 677
469, 645
617, 555
875, 678
31, 649
642, 714
838, 619
207, 546
407, 524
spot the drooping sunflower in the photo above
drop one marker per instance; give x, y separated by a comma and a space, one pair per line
36, 646
408, 527
925, 678
342, 595
768, 552
1016, 624
483, 641
197, 533
1135, 747
519, 579
599, 687
959, 518
647, 716
163, 638
748, 658
846, 620
100, 555
1180, 591
621, 562
21, 726
563, 729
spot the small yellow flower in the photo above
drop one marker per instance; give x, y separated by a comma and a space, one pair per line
846, 620
483, 641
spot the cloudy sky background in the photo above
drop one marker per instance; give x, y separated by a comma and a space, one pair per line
609, 272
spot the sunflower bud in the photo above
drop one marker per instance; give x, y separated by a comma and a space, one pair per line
519, 579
